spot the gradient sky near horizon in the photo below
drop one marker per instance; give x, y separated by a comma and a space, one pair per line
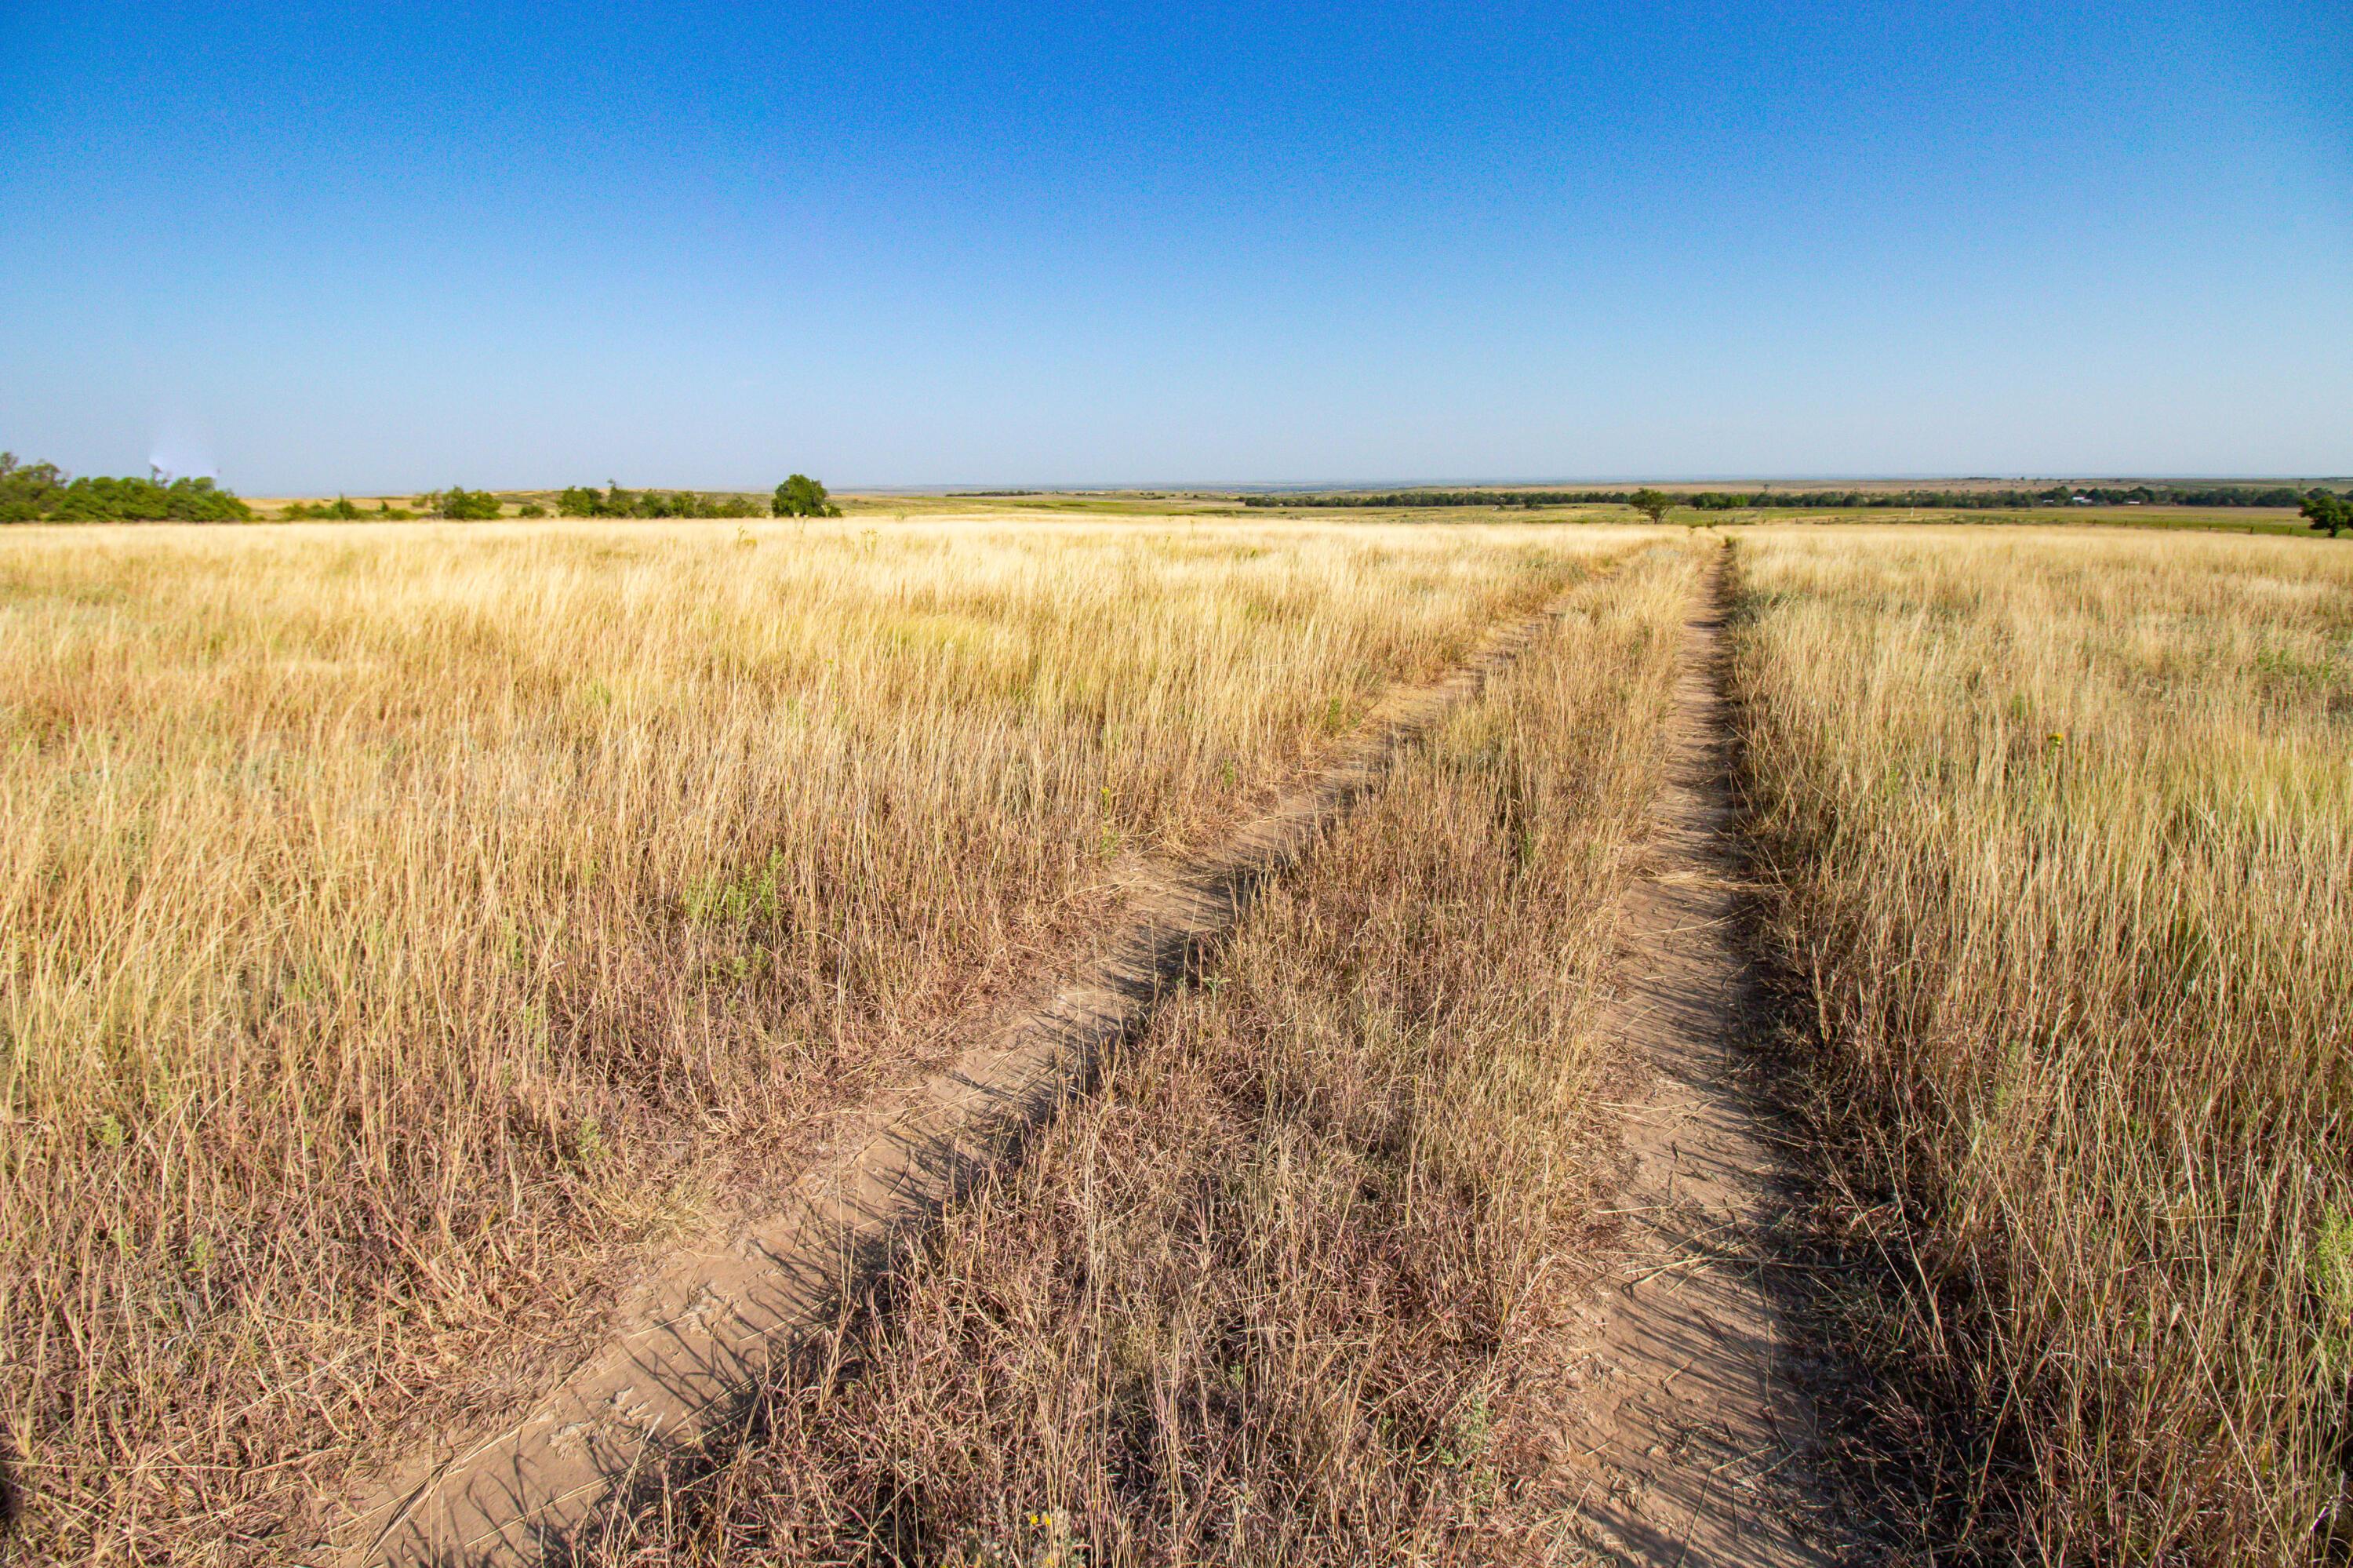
314, 248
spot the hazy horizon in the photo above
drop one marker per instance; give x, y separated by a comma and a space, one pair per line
983, 488
1590, 481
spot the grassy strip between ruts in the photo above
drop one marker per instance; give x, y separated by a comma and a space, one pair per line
1288, 1287
2060, 828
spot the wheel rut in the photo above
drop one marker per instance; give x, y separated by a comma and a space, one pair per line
688, 1345
1696, 1443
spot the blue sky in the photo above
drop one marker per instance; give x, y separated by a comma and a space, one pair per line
504, 245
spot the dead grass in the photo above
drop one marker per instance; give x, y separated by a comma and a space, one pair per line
2060, 830
1288, 1286
402, 928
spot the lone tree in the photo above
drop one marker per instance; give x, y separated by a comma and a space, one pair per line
801, 496
1652, 503
2329, 515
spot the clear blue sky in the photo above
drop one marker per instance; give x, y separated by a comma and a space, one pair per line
403, 246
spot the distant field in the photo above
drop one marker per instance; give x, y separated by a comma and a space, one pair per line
2059, 833
403, 924
2278, 520
1148, 505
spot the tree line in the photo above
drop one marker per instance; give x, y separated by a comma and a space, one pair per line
1822, 500
41, 491
585, 501
798, 497
342, 508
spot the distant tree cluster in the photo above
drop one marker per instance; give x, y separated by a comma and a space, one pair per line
342, 508
801, 496
1816, 500
38, 492
584, 501
460, 504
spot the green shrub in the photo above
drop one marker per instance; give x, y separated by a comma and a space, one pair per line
801, 496
463, 504
340, 509
29, 491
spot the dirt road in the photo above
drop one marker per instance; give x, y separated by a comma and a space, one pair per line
1692, 1444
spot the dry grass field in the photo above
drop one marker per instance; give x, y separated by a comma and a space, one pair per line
406, 927
410, 932
2059, 829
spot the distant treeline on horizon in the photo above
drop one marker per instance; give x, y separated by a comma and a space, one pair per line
585, 500
39, 491
1818, 499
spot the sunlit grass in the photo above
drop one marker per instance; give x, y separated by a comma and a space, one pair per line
2060, 830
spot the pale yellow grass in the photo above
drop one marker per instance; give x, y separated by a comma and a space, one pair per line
2060, 830
400, 926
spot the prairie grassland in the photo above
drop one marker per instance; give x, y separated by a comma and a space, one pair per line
1289, 1288
2059, 827
402, 928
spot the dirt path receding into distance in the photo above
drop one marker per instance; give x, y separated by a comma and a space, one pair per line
689, 1342
1694, 1442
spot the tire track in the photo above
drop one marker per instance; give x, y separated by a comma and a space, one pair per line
691, 1342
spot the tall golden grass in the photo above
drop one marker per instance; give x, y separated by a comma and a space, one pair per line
1290, 1287
401, 929
2060, 828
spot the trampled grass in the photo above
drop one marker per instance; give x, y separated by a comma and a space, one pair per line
404, 927
2060, 828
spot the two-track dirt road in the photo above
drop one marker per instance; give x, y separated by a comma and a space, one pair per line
1692, 1442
